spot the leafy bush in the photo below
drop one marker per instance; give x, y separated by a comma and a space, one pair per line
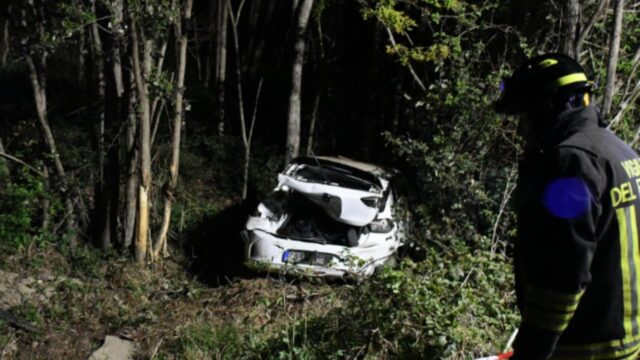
21, 204
447, 307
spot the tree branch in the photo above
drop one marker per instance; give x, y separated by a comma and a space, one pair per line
411, 70
15, 159
587, 29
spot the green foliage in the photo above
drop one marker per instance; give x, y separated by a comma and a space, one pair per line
453, 305
155, 16
21, 204
420, 54
205, 341
390, 17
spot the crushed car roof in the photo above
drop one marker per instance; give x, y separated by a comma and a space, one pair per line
346, 162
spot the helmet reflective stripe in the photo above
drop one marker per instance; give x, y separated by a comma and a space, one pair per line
548, 62
570, 79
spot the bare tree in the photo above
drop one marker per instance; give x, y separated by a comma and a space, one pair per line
614, 49
131, 204
37, 73
169, 188
246, 133
293, 129
571, 20
142, 71
586, 30
37, 65
221, 61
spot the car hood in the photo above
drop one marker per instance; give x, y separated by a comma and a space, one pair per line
348, 194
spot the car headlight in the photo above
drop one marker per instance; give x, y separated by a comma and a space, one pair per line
381, 226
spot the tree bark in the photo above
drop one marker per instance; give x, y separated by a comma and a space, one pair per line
44, 202
257, 49
141, 72
4, 53
243, 127
5, 174
571, 18
293, 128
252, 30
169, 189
221, 63
312, 123
102, 212
131, 205
614, 49
38, 82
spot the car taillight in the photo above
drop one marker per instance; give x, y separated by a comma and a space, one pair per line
371, 201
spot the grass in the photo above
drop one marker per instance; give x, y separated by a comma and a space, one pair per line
418, 309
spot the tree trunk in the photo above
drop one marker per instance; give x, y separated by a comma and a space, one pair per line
111, 172
142, 70
221, 63
312, 123
102, 211
4, 53
571, 18
257, 49
614, 49
116, 105
38, 78
4, 169
181, 33
131, 205
247, 134
45, 202
293, 128
243, 126
252, 30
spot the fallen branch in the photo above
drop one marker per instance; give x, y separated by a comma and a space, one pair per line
19, 323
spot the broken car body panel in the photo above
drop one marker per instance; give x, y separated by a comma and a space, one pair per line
327, 216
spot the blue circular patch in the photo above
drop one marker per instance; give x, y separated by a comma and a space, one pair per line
566, 198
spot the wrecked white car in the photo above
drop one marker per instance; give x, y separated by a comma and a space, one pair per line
328, 216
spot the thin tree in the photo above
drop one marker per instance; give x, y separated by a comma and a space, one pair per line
4, 168
293, 128
37, 64
169, 188
221, 61
142, 71
586, 30
246, 133
614, 50
571, 21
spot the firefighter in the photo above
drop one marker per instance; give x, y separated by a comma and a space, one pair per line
577, 201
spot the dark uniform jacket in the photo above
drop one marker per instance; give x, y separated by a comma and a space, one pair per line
577, 256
